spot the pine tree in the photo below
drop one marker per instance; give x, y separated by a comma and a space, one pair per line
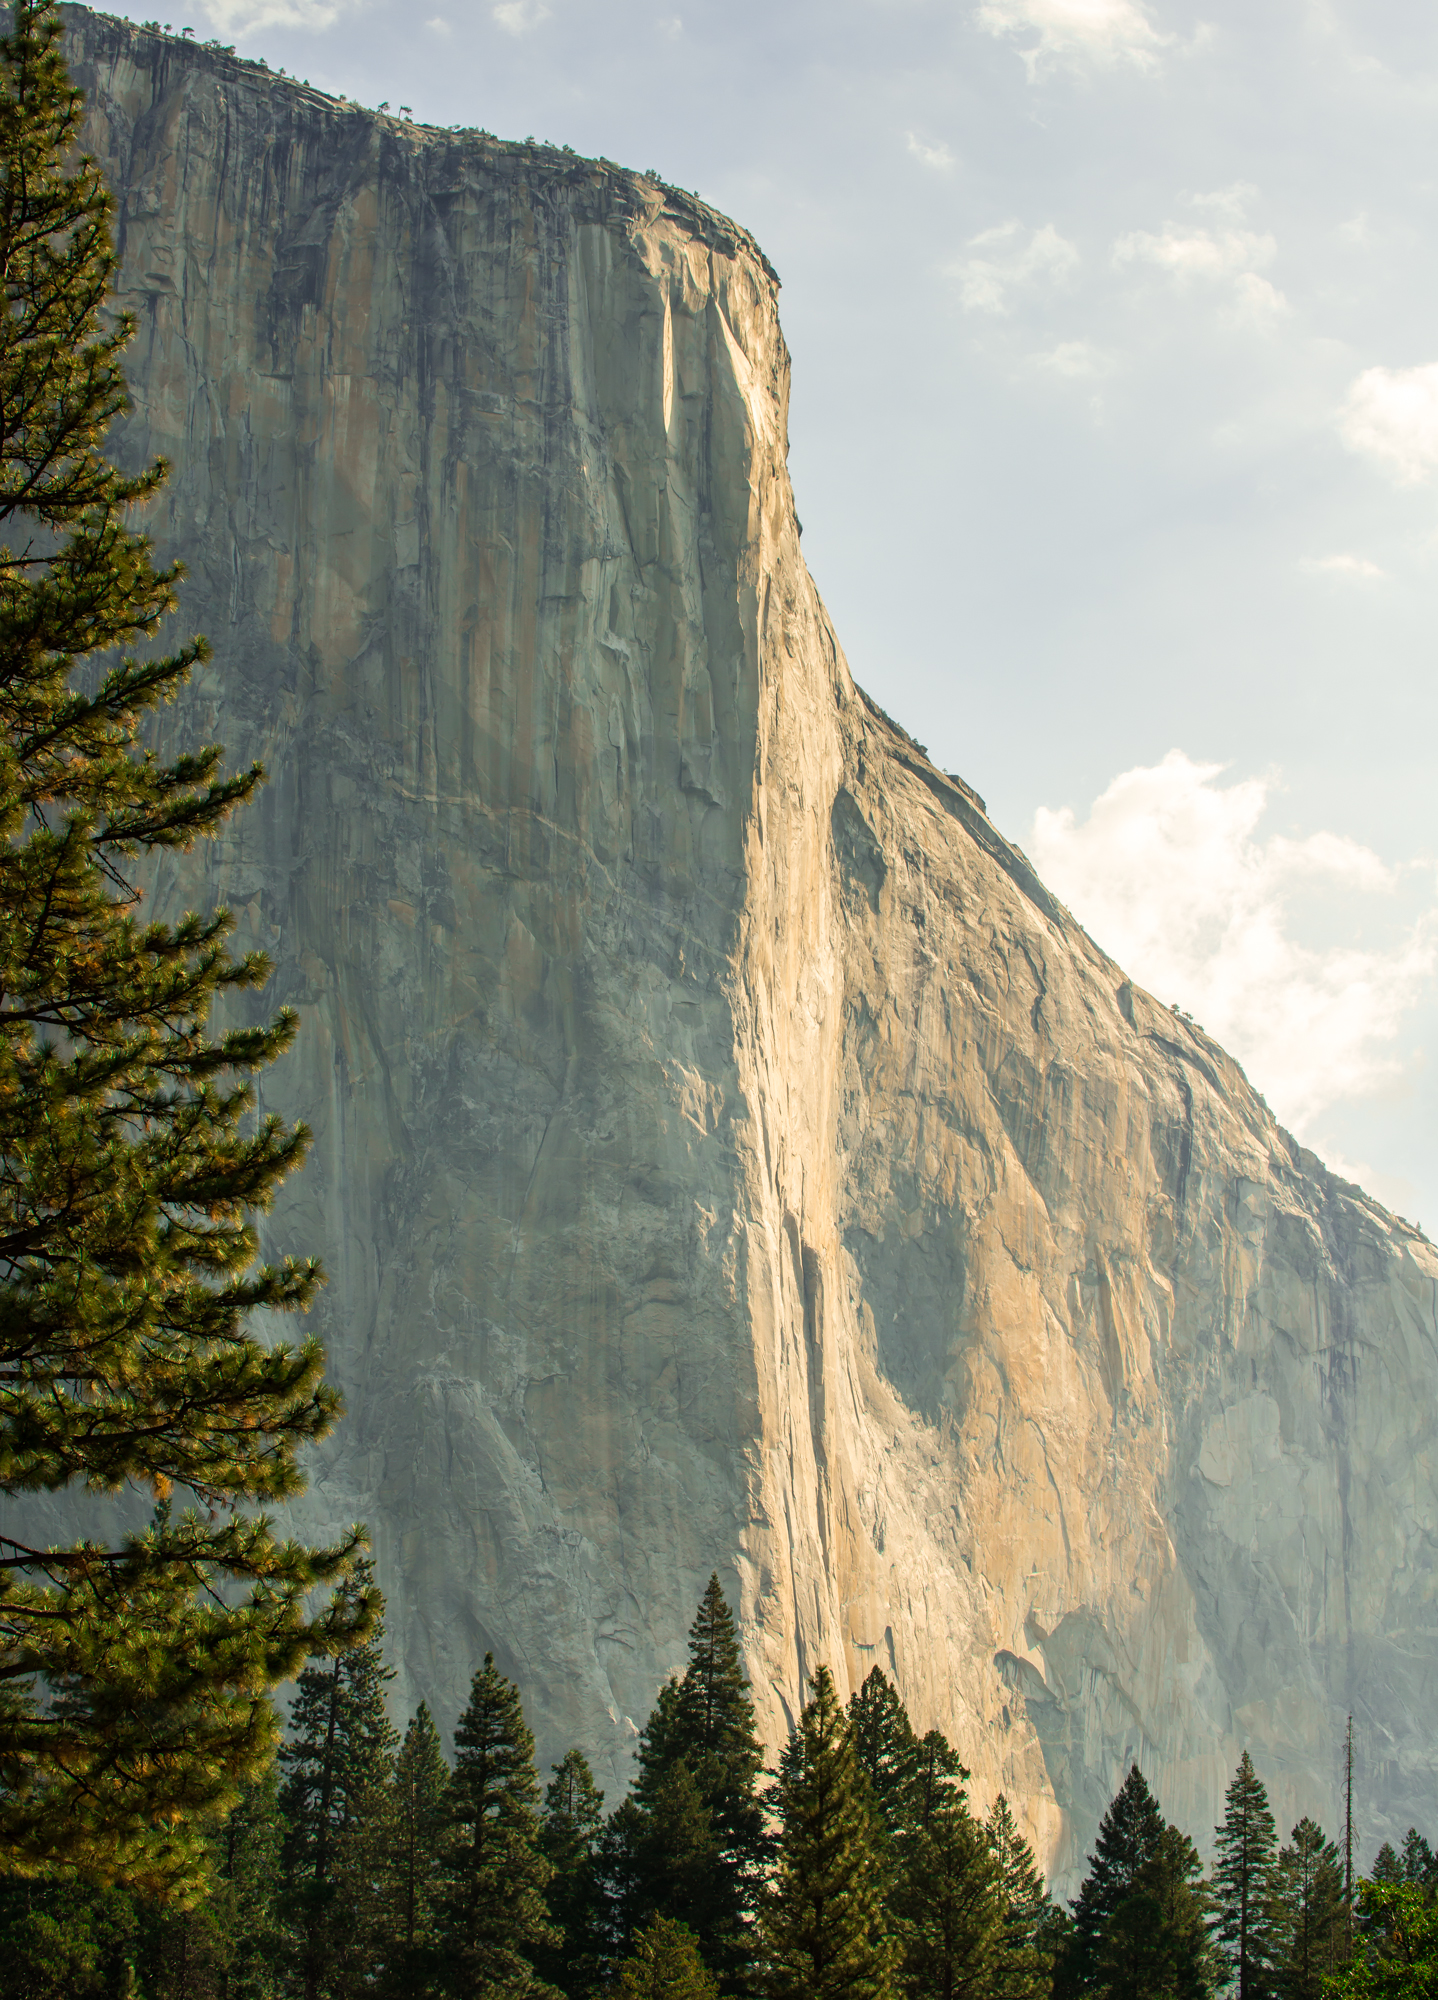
66, 1940
1023, 1968
1129, 1837
947, 1896
131, 1170
410, 1876
824, 1927
494, 1918
887, 1749
696, 1843
1245, 1845
337, 1766
569, 1841
1420, 1866
665, 1964
1307, 1916
1387, 1868
1155, 1943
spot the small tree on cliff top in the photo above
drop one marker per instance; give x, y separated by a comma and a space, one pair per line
133, 1678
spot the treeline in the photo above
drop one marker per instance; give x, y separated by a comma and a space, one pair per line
366, 1864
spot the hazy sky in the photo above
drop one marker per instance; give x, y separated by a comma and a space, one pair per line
1114, 435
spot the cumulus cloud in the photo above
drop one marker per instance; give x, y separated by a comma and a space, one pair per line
518, 17
1169, 874
1077, 32
1356, 569
938, 156
1225, 254
1391, 416
1009, 264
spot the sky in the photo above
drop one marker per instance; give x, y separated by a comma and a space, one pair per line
1114, 435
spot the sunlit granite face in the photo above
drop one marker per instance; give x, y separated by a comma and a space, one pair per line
726, 1153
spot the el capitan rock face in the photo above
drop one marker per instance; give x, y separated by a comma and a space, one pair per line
726, 1153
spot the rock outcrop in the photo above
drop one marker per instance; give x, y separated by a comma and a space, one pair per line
727, 1154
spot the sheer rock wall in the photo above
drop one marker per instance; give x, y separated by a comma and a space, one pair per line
726, 1153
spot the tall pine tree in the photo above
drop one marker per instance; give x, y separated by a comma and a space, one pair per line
569, 1841
494, 1918
825, 1930
1307, 1913
693, 1845
131, 1166
337, 1765
1129, 1837
1245, 1853
887, 1749
410, 1874
946, 1895
1024, 1965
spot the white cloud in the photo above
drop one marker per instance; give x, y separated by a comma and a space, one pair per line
1169, 875
1077, 32
1227, 255
932, 156
437, 25
241, 17
518, 17
1357, 569
1391, 415
1075, 360
1009, 264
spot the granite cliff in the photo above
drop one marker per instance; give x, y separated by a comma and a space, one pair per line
726, 1152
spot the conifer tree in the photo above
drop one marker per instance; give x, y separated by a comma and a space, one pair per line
131, 1169
494, 1918
569, 1841
696, 1842
337, 1764
825, 1931
1155, 1944
410, 1874
1022, 1971
665, 1964
1245, 1844
946, 1896
1419, 1863
1129, 1837
1307, 1914
887, 1749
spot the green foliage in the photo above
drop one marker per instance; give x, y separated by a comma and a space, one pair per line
826, 1934
135, 1676
1245, 1843
887, 1749
665, 1964
1398, 1958
693, 1846
1140, 1919
1307, 1914
65, 1940
337, 1765
1024, 1965
409, 1873
948, 1897
569, 1838
1155, 1946
494, 1918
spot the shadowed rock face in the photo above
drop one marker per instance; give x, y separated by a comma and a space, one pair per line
726, 1152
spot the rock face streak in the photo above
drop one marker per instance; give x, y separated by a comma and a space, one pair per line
726, 1153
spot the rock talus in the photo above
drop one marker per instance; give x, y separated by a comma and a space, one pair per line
726, 1152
